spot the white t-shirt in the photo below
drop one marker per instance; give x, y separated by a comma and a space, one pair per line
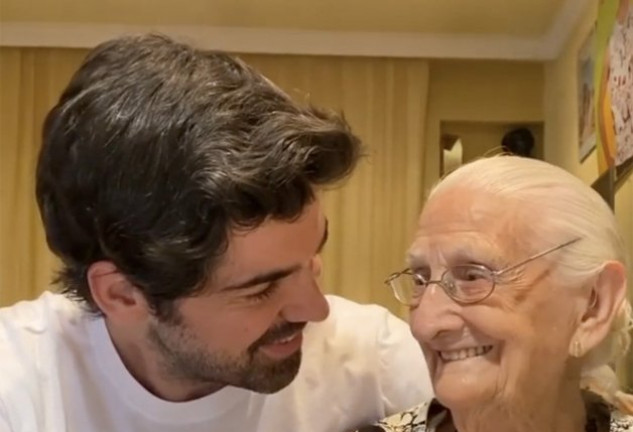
59, 372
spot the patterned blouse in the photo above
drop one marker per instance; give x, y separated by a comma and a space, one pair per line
428, 416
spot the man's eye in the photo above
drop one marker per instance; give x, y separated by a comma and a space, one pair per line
264, 293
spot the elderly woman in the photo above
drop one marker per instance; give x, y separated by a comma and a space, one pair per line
517, 287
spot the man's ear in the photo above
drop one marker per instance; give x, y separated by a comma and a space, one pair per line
602, 306
116, 297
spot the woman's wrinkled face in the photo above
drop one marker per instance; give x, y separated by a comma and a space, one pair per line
514, 344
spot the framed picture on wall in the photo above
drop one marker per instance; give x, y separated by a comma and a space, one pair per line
614, 81
586, 94
621, 62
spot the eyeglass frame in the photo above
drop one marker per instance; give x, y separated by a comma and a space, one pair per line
494, 275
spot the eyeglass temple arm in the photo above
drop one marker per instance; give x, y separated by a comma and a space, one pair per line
535, 256
396, 275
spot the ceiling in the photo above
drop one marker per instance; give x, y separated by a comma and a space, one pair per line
515, 18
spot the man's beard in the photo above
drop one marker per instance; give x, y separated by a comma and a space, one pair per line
184, 358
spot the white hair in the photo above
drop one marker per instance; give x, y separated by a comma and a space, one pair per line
564, 208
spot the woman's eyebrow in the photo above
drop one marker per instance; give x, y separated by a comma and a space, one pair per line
463, 252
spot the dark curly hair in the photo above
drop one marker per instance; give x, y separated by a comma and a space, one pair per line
156, 151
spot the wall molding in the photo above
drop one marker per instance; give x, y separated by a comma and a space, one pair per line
284, 41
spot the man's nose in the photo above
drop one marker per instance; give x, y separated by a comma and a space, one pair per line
306, 302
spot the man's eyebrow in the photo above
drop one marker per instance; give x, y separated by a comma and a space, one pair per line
270, 276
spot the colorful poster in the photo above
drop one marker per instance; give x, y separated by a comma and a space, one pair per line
614, 81
586, 95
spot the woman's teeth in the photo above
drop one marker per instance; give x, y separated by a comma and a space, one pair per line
462, 354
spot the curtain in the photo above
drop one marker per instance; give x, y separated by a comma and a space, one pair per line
371, 216
30, 82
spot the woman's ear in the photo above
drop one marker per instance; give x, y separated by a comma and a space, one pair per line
115, 296
602, 306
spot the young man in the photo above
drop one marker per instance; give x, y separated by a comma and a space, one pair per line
180, 190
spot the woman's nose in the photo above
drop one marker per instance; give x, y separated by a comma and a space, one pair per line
436, 313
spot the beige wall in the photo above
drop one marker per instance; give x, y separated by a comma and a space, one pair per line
561, 105
479, 91
561, 131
